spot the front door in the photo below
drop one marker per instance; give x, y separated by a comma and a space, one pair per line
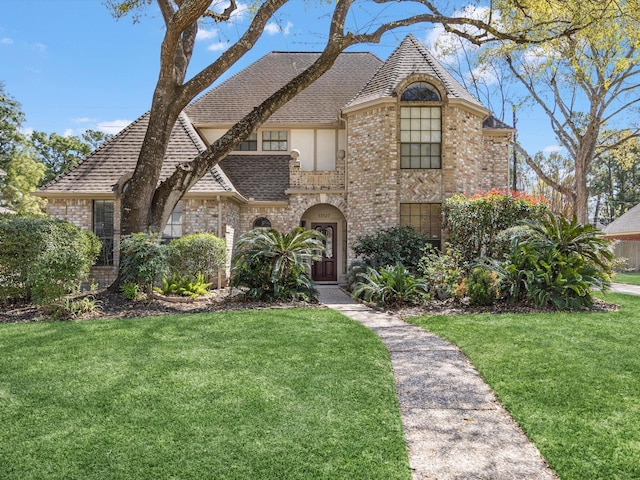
326, 270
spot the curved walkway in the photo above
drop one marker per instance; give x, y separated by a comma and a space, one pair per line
454, 426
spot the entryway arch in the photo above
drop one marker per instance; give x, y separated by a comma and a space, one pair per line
330, 221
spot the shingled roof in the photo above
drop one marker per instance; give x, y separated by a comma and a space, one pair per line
411, 57
101, 170
258, 177
626, 224
318, 104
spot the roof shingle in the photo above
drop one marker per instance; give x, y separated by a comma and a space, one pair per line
258, 177
411, 57
318, 104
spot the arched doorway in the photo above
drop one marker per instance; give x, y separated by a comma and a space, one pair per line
330, 221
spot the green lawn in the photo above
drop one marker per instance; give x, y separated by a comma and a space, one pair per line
270, 394
571, 380
629, 278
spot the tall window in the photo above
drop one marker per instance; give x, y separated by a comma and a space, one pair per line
103, 228
249, 145
275, 140
420, 128
425, 218
174, 225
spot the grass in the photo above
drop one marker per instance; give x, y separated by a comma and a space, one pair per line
628, 278
272, 394
571, 380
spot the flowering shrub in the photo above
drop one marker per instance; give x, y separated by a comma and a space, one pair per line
474, 222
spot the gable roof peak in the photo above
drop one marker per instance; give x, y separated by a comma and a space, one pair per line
411, 57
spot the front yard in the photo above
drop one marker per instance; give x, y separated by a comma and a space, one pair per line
571, 380
268, 394
300, 393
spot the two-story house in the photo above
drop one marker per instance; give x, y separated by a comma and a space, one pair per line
369, 145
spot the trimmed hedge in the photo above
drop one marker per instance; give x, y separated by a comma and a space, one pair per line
42, 258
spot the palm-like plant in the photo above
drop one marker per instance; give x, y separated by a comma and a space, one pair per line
391, 286
275, 265
558, 262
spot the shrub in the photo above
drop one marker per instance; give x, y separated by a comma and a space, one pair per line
185, 286
69, 308
42, 258
391, 286
274, 265
442, 271
482, 286
130, 290
143, 259
391, 246
558, 263
475, 222
197, 253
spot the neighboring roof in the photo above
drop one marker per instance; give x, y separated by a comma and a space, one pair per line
411, 57
627, 223
259, 177
102, 169
6, 210
320, 103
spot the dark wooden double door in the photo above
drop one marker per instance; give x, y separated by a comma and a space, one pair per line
326, 270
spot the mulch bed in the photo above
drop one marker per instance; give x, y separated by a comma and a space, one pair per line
110, 305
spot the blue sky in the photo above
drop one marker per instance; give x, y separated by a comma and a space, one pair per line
73, 67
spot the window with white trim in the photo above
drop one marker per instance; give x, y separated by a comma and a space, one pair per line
420, 128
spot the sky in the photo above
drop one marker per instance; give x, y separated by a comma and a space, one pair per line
73, 67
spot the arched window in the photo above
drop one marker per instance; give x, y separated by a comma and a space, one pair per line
262, 222
420, 127
420, 92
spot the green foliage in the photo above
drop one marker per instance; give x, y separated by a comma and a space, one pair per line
391, 246
57, 153
482, 286
130, 290
196, 253
184, 286
355, 269
443, 271
391, 286
474, 222
143, 259
42, 258
274, 265
70, 308
557, 264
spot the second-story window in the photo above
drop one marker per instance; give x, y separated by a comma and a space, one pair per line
249, 145
420, 127
275, 140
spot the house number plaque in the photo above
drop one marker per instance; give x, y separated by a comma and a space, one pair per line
324, 215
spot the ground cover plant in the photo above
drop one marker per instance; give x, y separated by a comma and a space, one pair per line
569, 379
269, 394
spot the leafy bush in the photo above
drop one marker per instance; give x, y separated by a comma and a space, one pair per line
274, 265
391, 286
557, 263
442, 271
130, 290
474, 222
143, 259
482, 286
185, 286
42, 258
391, 246
197, 253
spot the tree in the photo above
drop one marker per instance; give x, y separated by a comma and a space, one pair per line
584, 83
615, 181
58, 153
147, 204
22, 172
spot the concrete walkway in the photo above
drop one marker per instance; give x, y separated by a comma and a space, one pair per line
454, 426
